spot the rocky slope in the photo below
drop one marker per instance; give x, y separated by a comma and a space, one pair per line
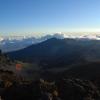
64, 89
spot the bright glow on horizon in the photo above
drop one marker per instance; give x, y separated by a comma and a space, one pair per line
70, 31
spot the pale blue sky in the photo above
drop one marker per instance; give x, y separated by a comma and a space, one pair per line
33, 16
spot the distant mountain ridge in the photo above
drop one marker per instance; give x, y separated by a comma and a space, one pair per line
13, 43
59, 52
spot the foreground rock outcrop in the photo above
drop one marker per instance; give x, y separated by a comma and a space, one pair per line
65, 89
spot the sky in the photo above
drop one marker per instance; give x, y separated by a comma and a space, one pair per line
49, 16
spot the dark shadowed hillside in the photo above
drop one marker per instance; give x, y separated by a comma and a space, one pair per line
89, 71
59, 52
6, 63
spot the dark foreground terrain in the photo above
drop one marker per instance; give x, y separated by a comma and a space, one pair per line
64, 89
